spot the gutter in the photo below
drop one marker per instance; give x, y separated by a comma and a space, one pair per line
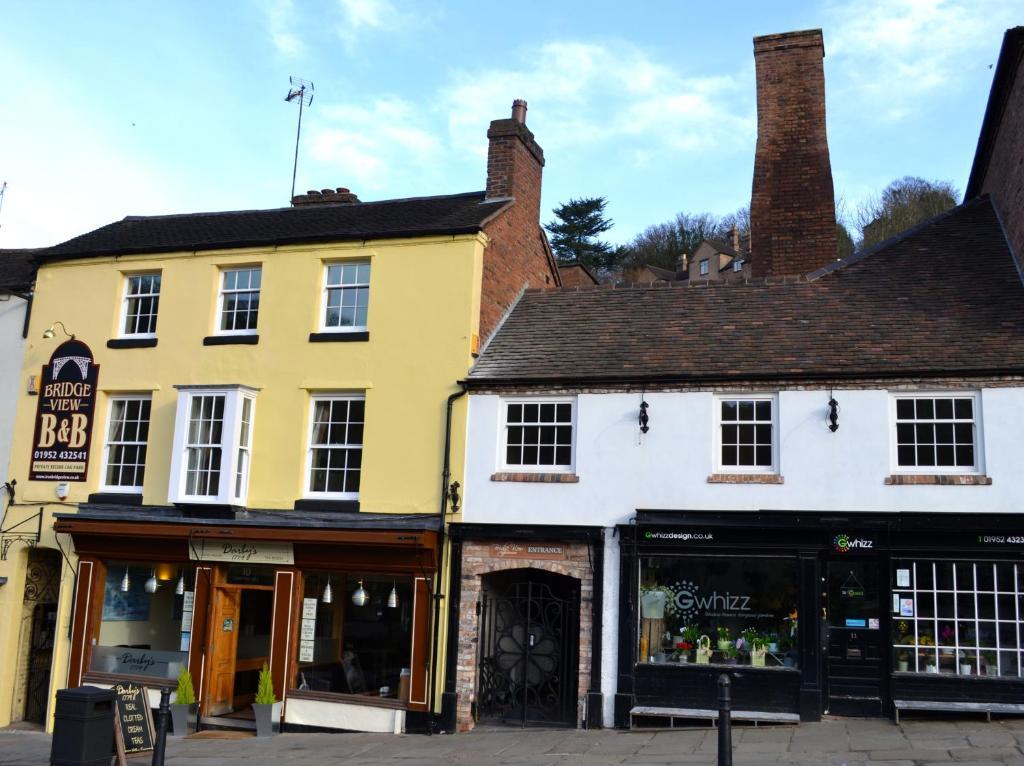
441, 539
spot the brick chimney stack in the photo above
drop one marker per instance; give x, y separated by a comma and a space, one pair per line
792, 206
339, 196
515, 161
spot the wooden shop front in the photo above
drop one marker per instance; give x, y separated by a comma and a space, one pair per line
336, 606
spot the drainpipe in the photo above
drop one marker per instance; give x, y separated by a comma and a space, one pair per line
446, 475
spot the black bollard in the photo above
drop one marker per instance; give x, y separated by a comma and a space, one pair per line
161, 727
724, 721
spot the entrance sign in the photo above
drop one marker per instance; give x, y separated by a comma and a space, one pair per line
242, 552
65, 413
133, 721
543, 551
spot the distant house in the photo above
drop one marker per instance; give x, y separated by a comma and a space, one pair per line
576, 275
714, 260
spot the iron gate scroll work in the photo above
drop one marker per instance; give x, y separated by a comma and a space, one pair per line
528, 657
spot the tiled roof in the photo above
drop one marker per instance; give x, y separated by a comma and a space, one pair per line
419, 216
910, 306
17, 272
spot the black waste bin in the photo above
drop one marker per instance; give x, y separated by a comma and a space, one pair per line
83, 727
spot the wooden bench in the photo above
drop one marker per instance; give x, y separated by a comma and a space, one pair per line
689, 714
988, 708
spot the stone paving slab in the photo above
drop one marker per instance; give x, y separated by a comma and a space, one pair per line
835, 742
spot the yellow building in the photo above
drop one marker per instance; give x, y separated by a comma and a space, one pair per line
233, 427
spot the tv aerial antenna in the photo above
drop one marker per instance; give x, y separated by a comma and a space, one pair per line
301, 91
3, 188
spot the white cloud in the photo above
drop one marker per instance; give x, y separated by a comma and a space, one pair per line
893, 55
359, 18
376, 147
280, 18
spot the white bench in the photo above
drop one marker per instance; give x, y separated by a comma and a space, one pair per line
689, 714
988, 708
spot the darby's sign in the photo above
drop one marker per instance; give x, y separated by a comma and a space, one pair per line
64, 415
242, 552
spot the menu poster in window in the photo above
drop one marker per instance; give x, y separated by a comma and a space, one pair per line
308, 630
189, 601
65, 412
305, 651
133, 721
906, 607
902, 578
309, 609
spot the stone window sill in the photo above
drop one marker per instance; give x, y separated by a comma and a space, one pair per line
339, 337
545, 478
745, 478
131, 343
944, 479
231, 340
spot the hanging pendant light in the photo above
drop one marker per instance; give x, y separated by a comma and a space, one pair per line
393, 597
179, 589
360, 597
328, 596
151, 583
125, 582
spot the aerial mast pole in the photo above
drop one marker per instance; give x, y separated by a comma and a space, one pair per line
301, 91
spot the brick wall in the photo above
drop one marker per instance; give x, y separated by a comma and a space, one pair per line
476, 562
1004, 176
518, 254
792, 208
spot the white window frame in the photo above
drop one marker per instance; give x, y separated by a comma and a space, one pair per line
325, 293
331, 396
223, 291
704, 267
503, 463
134, 489
953, 470
230, 447
737, 265
125, 297
717, 440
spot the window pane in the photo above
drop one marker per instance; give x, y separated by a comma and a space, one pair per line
746, 410
515, 413
764, 456
764, 410
944, 409
905, 409
728, 455
746, 455
729, 409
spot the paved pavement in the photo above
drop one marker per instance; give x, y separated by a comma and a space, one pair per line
829, 743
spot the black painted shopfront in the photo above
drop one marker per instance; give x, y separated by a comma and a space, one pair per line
815, 613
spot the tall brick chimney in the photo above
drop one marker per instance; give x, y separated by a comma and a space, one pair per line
515, 161
792, 206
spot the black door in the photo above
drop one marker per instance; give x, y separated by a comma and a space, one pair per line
528, 659
853, 638
44, 626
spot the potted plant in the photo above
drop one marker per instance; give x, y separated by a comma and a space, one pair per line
703, 650
682, 652
184, 707
903, 661
965, 663
724, 638
757, 645
989, 661
773, 641
730, 653
265, 706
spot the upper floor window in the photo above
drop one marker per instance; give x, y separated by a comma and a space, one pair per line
746, 431
704, 267
212, 445
346, 296
336, 446
737, 265
538, 434
124, 456
141, 302
240, 300
937, 434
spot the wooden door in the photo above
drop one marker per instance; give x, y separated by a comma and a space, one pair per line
224, 643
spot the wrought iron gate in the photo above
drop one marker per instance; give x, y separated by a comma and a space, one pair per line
529, 651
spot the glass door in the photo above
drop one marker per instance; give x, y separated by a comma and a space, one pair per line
854, 659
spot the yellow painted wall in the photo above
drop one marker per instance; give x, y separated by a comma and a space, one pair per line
424, 310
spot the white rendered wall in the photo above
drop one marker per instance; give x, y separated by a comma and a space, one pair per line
620, 472
12, 348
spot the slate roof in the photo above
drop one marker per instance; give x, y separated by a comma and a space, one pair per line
417, 216
17, 271
914, 305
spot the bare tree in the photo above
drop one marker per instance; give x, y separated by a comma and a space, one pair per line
902, 204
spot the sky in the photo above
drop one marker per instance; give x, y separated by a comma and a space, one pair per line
144, 108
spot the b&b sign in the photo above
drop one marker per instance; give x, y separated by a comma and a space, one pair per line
64, 415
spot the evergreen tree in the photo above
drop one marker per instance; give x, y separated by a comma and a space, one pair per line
575, 233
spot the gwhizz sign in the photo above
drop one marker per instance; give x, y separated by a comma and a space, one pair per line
64, 415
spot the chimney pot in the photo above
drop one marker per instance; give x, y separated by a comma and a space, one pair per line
342, 190
519, 111
327, 192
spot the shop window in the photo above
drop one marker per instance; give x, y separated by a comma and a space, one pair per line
957, 618
346, 297
336, 447
240, 300
936, 434
744, 610
539, 434
356, 635
146, 623
212, 445
746, 434
124, 458
141, 303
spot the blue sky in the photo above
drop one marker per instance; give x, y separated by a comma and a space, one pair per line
145, 108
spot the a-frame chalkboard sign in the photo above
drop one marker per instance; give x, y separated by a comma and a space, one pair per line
133, 722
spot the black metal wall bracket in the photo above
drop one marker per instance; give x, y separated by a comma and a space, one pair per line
20, 533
